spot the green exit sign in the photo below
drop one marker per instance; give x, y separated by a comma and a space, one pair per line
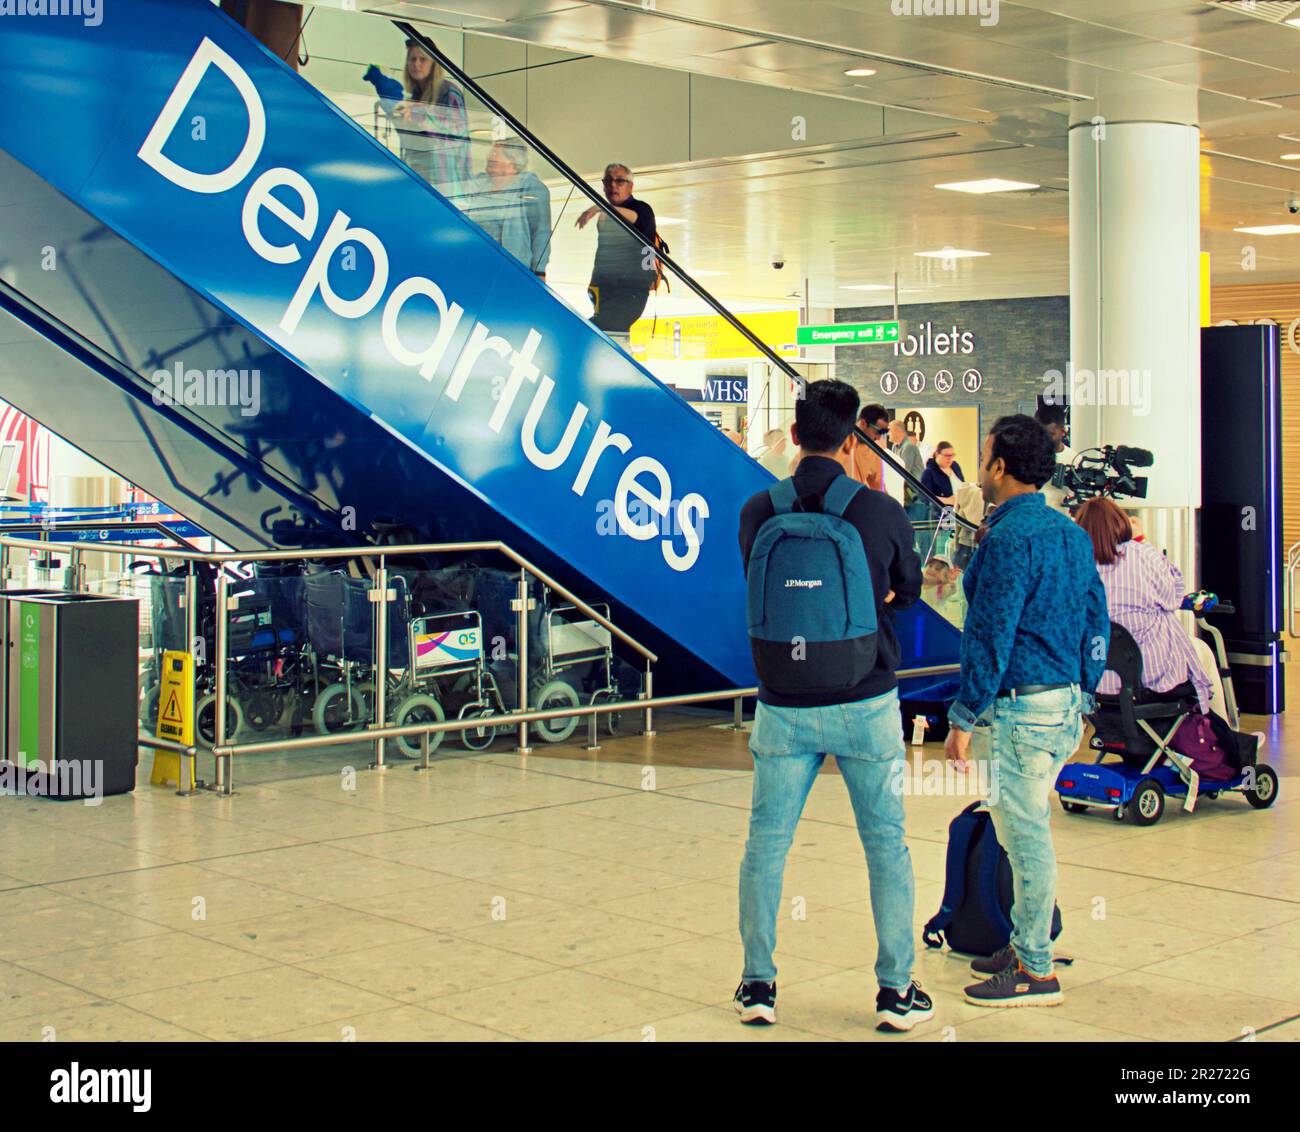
847, 334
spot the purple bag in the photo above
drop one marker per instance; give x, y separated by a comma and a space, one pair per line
1196, 740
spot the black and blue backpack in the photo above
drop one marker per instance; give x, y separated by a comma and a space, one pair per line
811, 606
975, 917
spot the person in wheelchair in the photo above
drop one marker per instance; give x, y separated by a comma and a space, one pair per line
1144, 592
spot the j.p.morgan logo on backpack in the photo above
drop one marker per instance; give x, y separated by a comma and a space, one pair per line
802, 583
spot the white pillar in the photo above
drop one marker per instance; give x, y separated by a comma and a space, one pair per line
1135, 346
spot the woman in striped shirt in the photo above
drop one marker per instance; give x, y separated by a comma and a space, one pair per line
1144, 592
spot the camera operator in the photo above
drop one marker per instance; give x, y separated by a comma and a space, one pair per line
1052, 418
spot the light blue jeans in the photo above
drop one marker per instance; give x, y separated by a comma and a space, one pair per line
789, 746
1026, 740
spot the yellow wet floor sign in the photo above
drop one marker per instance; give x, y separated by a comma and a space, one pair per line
175, 716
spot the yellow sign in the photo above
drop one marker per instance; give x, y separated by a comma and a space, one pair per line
710, 337
176, 698
1205, 288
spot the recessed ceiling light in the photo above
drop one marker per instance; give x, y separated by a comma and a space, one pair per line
1294, 21
1270, 230
950, 253
860, 72
1291, 157
987, 185
661, 220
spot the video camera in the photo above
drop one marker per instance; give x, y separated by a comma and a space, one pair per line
1104, 471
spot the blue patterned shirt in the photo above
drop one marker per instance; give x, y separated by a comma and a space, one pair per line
1036, 608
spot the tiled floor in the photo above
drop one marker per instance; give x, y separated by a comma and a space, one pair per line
571, 897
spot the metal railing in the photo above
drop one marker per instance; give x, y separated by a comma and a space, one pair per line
378, 733
224, 752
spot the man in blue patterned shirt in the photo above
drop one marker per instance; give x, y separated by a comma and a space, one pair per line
1033, 650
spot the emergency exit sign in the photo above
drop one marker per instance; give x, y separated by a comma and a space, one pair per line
847, 334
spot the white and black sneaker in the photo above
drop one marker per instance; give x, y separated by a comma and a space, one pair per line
899, 1011
756, 1003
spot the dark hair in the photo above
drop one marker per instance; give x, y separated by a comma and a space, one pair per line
1107, 526
872, 413
1025, 447
824, 415
941, 446
1050, 415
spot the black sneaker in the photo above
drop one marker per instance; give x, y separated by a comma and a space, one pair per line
899, 1011
996, 963
1014, 986
756, 1003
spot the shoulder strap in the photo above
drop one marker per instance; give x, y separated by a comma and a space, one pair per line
839, 495
783, 496
990, 891
960, 834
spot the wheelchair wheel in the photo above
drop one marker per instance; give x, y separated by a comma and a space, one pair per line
1265, 792
366, 690
205, 718
478, 738
335, 711
263, 707
551, 697
149, 706
1147, 803
419, 708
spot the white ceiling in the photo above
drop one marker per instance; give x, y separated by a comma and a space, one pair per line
855, 213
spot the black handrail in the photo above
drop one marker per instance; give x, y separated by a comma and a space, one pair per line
90, 354
522, 131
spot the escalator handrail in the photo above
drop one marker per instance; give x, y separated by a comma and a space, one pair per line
522, 131
89, 353
912, 481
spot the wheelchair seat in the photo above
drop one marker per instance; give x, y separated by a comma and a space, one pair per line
1125, 723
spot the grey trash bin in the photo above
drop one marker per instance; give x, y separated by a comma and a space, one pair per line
68, 672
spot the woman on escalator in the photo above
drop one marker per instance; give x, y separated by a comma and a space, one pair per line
431, 121
513, 206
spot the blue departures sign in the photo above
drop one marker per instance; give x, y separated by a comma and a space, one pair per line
194, 143
187, 137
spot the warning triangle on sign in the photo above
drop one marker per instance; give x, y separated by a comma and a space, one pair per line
172, 712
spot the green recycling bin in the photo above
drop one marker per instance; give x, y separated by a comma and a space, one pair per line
68, 664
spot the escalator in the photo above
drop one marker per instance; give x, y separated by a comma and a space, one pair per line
233, 291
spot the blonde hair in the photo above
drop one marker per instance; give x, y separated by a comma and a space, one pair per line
433, 87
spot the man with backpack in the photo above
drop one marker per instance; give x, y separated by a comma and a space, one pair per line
1033, 649
826, 561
